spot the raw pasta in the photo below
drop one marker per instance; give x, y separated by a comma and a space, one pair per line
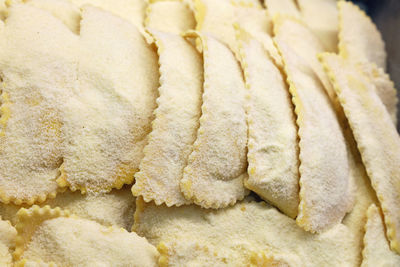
325, 185
272, 145
177, 120
217, 165
53, 236
377, 138
376, 250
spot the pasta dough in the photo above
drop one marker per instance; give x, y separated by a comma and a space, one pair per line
114, 208
257, 22
364, 196
377, 138
172, 16
306, 45
384, 87
216, 18
108, 118
282, 7
68, 13
216, 167
322, 17
359, 39
272, 145
325, 186
233, 236
53, 236
7, 242
361, 43
131, 10
37, 64
376, 249
176, 123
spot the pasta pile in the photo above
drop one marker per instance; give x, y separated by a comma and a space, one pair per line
196, 133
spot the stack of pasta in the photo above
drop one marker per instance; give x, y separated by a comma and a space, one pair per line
196, 133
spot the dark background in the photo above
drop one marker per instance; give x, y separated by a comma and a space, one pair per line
386, 15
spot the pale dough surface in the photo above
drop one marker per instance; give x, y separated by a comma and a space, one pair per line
325, 185
233, 236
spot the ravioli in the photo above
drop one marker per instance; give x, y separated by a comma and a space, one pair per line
384, 87
325, 186
257, 22
8, 235
301, 39
247, 3
377, 138
174, 129
272, 135
322, 17
216, 169
67, 12
174, 16
233, 236
216, 18
114, 208
37, 63
359, 39
364, 196
107, 120
376, 250
131, 10
282, 7
53, 236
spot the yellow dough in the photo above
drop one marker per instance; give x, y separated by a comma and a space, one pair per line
282, 7
53, 236
217, 165
322, 17
364, 196
131, 10
233, 236
174, 16
196, 133
303, 41
113, 208
272, 145
216, 18
376, 250
325, 185
377, 138
257, 22
384, 87
107, 120
64, 10
359, 39
8, 235
174, 129
36, 59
